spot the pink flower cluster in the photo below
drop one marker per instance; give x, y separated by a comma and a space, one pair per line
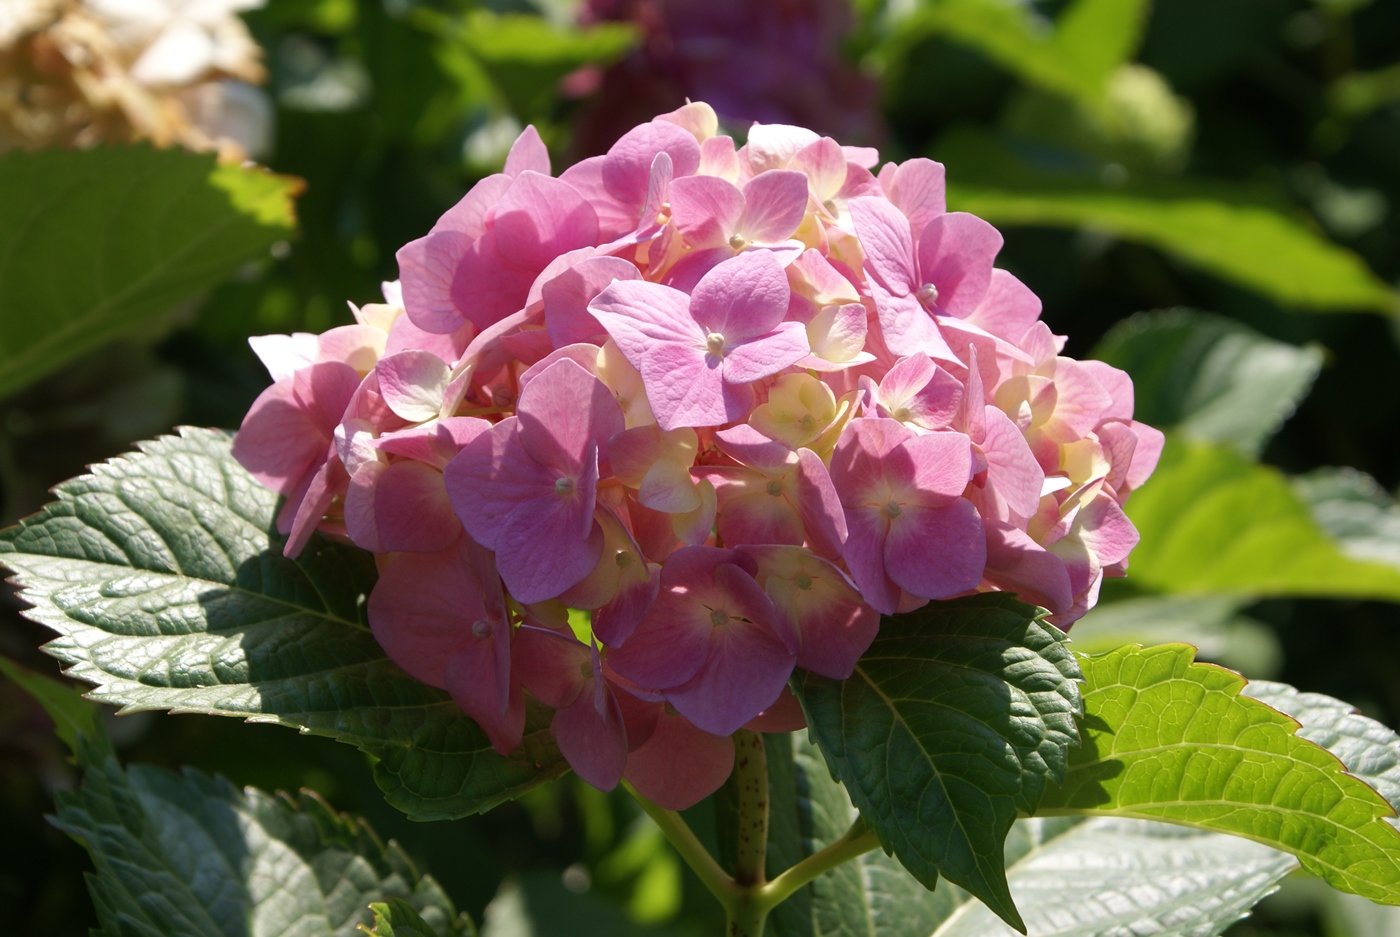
736, 403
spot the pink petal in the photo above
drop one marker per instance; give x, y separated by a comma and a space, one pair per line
818, 505
1117, 384
758, 517
706, 210
490, 477
527, 152
1145, 456
1080, 403
772, 146
329, 481
1011, 466
1007, 309
936, 552
774, 203
468, 216
549, 664
746, 666
360, 525
548, 544
435, 443
1016, 563
427, 270
742, 298
486, 287
412, 384
754, 359
956, 251
938, 465
615, 621
472, 681
680, 765
615, 219
865, 557
404, 335
694, 527
888, 242
564, 411
412, 511
594, 743
824, 164
918, 190
784, 715
423, 608
284, 355
747, 445
669, 645
858, 461
540, 218
627, 167
285, 433
1105, 529
718, 158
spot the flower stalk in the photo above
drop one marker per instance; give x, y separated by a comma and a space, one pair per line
747, 897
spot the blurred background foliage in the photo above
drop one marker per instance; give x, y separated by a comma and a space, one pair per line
1201, 192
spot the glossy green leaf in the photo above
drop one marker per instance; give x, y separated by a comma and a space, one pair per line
1211, 622
1355, 510
1209, 377
95, 242
960, 715
191, 856
1074, 57
1252, 245
1068, 875
164, 578
1213, 521
395, 917
1166, 738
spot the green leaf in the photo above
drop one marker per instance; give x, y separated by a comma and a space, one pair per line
73, 717
1165, 738
1251, 245
1211, 622
94, 242
1369, 750
959, 716
1076, 57
395, 917
1070, 875
164, 578
1209, 377
1355, 510
190, 855
1212, 521
539, 905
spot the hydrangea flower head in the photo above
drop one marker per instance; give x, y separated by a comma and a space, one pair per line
735, 403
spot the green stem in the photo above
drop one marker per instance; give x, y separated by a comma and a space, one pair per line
675, 829
751, 777
857, 841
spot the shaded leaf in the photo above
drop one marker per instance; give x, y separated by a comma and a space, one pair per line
1165, 738
73, 717
395, 917
1360, 514
93, 242
164, 578
1252, 245
539, 905
1212, 521
1211, 622
1209, 377
960, 715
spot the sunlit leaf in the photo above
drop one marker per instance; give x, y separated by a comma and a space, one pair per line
164, 578
1213, 521
95, 242
1165, 738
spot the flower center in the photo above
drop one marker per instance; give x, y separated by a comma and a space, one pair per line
927, 294
481, 628
737, 241
563, 487
804, 582
891, 509
624, 559
775, 488
718, 617
586, 670
714, 344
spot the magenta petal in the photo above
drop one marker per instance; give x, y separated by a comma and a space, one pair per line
1016, 563
742, 298
819, 506
564, 411
412, 511
549, 664
774, 203
615, 622
753, 360
566, 298
706, 210
490, 477
540, 218
783, 715
427, 269
668, 646
744, 672
541, 551
936, 552
956, 252
422, 609
594, 743
471, 679
680, 765
527, 152
865, 558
